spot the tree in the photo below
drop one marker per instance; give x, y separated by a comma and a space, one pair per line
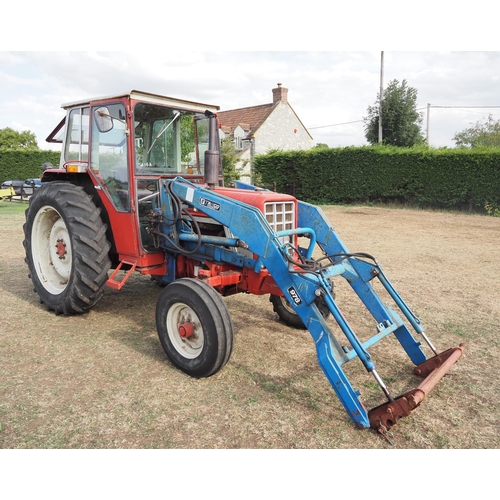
229, 158
485, 134
12, 139
401, 121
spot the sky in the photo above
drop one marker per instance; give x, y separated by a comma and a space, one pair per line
330, 64
330, 91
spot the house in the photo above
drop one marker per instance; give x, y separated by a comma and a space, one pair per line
258, 129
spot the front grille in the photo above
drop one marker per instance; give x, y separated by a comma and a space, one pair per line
281, 216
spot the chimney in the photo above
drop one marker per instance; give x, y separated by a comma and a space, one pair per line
280, 94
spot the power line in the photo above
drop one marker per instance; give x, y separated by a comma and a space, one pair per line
335, 125
434, 106
418, 109
429, 106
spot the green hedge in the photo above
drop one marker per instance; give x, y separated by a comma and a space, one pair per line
23, 164
442, 178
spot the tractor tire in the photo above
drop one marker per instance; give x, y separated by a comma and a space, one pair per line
66, 248
194, 327
287, 313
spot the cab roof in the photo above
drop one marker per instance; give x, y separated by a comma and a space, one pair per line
148, 97
56, 135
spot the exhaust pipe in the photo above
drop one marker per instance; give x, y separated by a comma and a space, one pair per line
212, 154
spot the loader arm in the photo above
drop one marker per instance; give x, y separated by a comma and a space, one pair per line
302, 281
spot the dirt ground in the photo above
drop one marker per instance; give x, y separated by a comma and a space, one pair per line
102, 380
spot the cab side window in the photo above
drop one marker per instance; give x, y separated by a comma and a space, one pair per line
77, 140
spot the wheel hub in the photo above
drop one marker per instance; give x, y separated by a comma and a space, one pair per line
186, 330
61, 248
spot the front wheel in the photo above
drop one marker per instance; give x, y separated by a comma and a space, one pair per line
194, 327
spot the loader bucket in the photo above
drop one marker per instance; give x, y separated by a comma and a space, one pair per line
383, 417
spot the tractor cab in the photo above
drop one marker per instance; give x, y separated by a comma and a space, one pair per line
126, 145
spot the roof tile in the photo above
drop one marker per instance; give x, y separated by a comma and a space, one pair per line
249, 118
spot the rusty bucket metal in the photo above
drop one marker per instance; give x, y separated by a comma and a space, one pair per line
383, 417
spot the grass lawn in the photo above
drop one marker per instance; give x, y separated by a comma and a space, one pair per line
12, 207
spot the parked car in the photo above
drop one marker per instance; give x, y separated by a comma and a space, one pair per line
23, 188
29, 187
17, 185
6, 193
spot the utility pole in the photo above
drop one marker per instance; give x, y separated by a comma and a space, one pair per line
381, 97
428, 119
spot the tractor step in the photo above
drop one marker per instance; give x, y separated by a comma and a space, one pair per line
115, 284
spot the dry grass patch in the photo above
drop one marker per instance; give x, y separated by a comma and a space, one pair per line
101, 380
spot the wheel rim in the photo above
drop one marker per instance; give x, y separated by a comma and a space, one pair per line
51, 250
287, 305
185, 330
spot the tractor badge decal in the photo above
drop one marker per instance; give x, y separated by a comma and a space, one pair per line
295, 296
210, 204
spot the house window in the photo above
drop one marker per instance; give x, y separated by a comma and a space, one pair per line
238, 143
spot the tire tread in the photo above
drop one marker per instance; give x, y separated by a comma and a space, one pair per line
90, 247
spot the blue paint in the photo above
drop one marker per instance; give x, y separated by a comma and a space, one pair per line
302, 289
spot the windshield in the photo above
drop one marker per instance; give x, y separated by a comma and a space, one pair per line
166, 140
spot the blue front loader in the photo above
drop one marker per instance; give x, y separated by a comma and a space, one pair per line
303, 281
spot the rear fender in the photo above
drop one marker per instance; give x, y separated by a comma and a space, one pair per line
84, 180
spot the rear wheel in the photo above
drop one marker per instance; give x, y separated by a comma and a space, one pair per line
194, 327
66, 248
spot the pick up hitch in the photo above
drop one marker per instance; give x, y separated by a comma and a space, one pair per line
383, 417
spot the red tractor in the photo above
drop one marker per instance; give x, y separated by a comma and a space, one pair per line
140, 189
